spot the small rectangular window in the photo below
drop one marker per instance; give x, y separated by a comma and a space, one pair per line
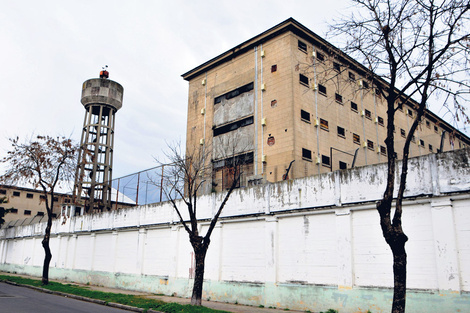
27, 212
320, 57
357, 139
3, 192
430, 148
338, 98
413, 138
402, 132
303, 80
354, 106
341, 132
56, 199
273, 68
40, 214
342, 165
365, 84
368, 114
380, 121
325, 161
42, 197
302, 46
322, 89
410, 112
13, 210
16, 193
29, 196
383, 150
428, 124
352, 76
305, 116
421, 142
306, 154
337, 67
436, 129
370, 145
324, 124
378, 92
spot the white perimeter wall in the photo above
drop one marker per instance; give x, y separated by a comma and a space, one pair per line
316, 231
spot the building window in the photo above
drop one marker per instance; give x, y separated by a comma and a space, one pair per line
13, 210
380, 120
42, 197
378, 92
413, 138
320, 57
338, 98
304, 116
421, 142
430, 148
336, 66
3, 192
273, 68
324, 124
306, 154
27, 212
322, 89
352, 76
365, 84
231, 127
436, 129
357, 139
325, 161
273, 103
370, 145
234, 93
402, 132
368, 114
342, 165
56, 199
29, 195
428, 124
16, 193
341, 132
354, 106
40, 214
302, 46
410, 112
303, 80
383, 150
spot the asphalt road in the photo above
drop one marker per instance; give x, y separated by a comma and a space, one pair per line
15, 299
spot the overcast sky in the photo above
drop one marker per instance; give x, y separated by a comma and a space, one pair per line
49, 48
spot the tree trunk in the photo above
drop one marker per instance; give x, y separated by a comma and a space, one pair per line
47, 251
399, 276
200, 256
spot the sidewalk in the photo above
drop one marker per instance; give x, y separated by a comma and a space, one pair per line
234, 308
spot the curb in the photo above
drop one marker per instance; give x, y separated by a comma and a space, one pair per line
68, 295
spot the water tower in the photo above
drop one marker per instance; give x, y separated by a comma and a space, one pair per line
102, 98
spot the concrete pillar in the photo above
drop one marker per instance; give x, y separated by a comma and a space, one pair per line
73, 249
92, 249
271, 248
142, 237
175, 244
445, 246
344, 246
113, 243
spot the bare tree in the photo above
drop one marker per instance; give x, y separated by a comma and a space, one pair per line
183, 179
43, 162
416, 49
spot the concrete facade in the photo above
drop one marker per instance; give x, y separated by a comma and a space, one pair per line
26, 203
307, 102
312, 243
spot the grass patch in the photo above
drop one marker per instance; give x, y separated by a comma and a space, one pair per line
132, 300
